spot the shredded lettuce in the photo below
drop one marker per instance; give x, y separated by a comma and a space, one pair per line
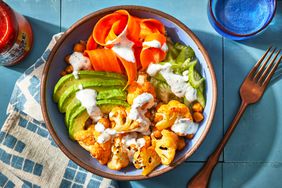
182, 58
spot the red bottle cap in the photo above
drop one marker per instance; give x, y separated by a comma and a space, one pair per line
8, 27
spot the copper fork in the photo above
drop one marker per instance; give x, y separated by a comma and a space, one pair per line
251, 92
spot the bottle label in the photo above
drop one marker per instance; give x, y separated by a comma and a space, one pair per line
16, 51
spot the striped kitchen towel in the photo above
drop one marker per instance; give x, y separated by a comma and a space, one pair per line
28, 155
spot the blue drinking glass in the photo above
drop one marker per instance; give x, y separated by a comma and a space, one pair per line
240, 19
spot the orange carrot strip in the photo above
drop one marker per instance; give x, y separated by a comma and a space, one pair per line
133, 27
150, 54
137, 51
104, 60
104, 26
116, 29
156, 36
91, 44
149, 26
131, 70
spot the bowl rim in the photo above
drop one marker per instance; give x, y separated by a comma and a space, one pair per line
86, 166
224, 29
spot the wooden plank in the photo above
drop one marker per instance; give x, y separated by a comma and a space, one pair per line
176, 178
252, 175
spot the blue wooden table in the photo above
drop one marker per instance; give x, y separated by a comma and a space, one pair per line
253, 156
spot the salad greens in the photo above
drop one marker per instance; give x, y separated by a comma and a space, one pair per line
182, 58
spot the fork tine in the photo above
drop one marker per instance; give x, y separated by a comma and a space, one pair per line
268, 67
254, 69
269, 76
263, 65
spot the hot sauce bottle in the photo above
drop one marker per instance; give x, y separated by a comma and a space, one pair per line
15, 36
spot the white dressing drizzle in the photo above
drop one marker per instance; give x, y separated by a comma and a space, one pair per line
123, 47
140, 105
178, 83
184, 126
152, 43
79, 62
106, 135
99, 127
155, 44
129, 140
87, 97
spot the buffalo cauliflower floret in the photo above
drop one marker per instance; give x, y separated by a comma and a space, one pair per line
139, 87
121, 122
166, 146
147, 159
101, 152
119, 158
86, 139
168, 113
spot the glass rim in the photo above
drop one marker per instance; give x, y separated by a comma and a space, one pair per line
224, 29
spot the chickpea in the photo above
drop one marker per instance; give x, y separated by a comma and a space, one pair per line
157, 133
82, 42
63, 73
78, 47
147, 141
198, 117
67, 59
197, 107
181, 144
69, 69
190, 136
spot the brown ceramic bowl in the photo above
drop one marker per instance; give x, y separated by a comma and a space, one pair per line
55, 64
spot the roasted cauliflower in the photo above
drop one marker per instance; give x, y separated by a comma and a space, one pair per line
119, 158
139, 87
168, 113
147, 159
166, 146
86, 139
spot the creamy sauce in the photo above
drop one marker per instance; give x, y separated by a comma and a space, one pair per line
152, 43
155, 44
79, 62
80, 87
87, 97
106, 135
179, 84
184, 126
99, 127
123, 47
132, 140
140, 105
164, 47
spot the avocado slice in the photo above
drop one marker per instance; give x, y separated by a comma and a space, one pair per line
106, 106
77, 121
118, 94
71, 109
68, 80
69, 93
78, 114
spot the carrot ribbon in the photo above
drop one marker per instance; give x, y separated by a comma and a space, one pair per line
110, 30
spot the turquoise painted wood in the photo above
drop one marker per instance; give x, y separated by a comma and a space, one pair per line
176, 178
257, 138
253, 156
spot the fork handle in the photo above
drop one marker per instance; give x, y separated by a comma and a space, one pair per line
202, 178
